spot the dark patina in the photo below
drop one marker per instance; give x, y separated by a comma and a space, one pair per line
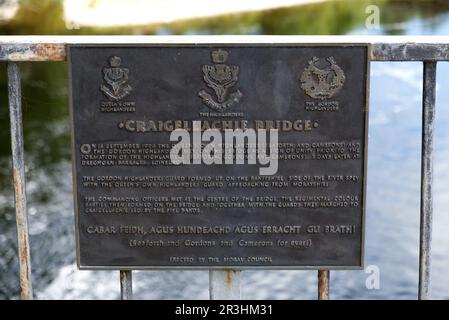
136, 210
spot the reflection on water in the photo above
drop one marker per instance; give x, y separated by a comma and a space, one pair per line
393, 169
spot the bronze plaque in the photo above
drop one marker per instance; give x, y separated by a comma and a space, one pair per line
136, 208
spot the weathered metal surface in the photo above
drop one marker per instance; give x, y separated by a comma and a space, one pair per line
384, 48
224, 285
126, 285
410, 52
15, 113
428, 124
323, 284
136, 210
32, 52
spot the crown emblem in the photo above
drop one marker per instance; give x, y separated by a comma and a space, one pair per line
220, 77
322, 80
219, 56
115, 61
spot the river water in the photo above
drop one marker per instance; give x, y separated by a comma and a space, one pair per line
392, 226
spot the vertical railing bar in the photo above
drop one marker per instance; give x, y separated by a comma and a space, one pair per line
224, 285
18, 164
126, 285
428, 119
323, 284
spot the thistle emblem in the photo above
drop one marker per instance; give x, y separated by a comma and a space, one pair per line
220, 77
117, 79
322, 83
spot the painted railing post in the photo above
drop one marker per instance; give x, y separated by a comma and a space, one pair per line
126, 285
428, 124
323, 284
18, 167
224, 284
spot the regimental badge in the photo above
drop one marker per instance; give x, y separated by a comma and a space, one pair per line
322, 82
221, 78
116, 78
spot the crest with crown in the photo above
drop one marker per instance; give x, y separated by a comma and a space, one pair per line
220, 77
322, 79
116, 78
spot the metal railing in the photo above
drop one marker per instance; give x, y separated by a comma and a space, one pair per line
226, 284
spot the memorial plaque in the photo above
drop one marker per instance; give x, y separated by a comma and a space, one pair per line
137, 208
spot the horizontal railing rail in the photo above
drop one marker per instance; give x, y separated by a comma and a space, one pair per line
384, 48
226, 284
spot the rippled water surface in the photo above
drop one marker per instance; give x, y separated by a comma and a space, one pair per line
392, 226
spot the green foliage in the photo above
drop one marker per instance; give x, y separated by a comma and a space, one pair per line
327, 18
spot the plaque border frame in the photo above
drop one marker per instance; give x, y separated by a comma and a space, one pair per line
366, 45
